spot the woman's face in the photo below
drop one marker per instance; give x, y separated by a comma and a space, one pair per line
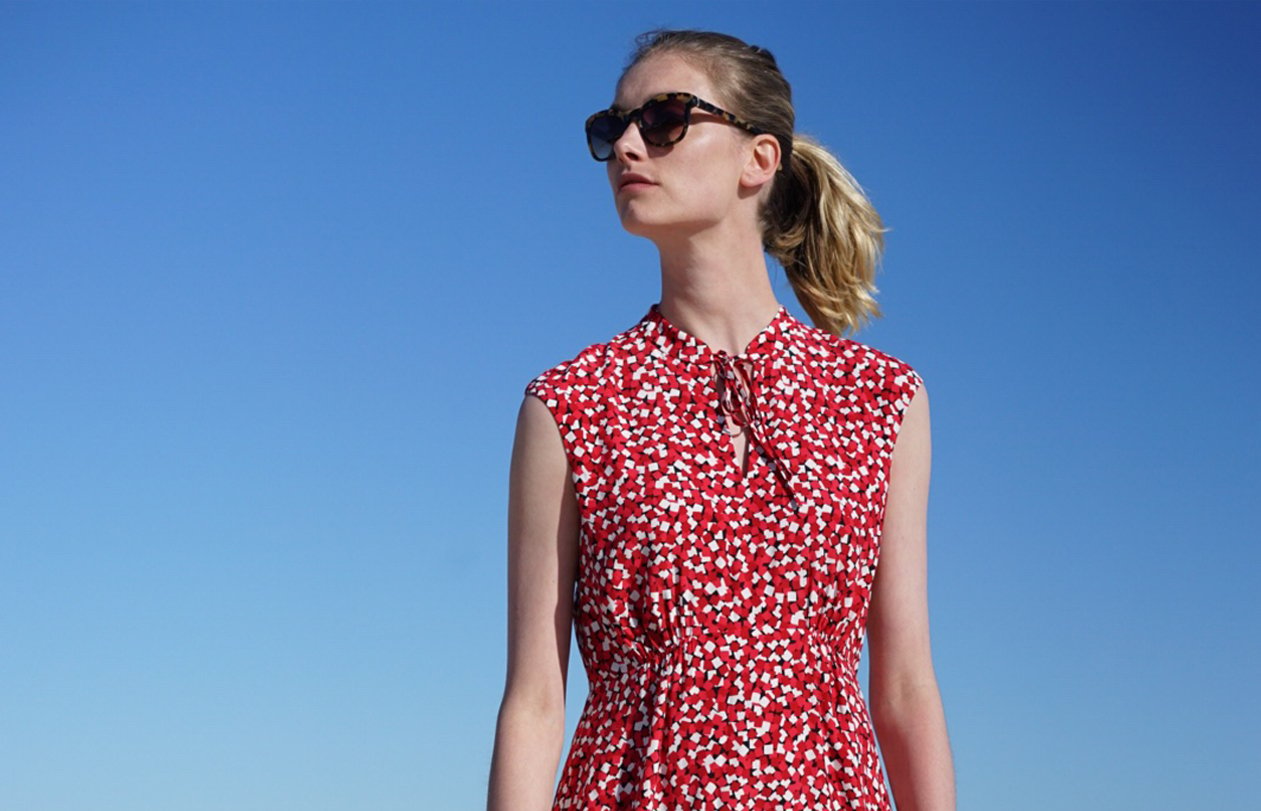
693, 184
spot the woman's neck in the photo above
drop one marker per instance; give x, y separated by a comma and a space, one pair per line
715, 285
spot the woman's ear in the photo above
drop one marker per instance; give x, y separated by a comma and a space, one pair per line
763, 161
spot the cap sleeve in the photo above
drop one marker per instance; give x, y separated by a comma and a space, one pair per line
904, 382
893, 384
568, 402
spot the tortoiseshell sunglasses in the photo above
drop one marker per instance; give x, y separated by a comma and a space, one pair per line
663, 120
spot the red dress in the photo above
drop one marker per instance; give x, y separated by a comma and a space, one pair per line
720, 613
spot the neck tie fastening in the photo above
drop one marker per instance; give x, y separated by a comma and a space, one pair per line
733, 377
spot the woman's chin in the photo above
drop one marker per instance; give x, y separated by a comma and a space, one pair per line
642, 224
662, 231
638, 226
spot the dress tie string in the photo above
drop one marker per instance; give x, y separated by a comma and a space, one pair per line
733, 377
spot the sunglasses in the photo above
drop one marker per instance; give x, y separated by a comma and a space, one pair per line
663, 120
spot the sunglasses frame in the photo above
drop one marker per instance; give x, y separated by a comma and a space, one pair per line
635, 117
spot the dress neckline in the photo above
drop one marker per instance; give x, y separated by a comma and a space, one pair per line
685, 346
739, 381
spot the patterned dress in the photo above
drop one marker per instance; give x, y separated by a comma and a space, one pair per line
720, 613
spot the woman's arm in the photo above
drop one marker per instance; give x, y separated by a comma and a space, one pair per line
542, 556
905, 702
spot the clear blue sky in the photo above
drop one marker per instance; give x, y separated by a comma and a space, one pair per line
273, 277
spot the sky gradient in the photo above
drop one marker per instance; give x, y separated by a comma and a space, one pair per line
274, 275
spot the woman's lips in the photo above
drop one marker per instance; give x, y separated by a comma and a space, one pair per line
633, 180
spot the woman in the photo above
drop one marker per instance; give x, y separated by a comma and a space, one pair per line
706, 495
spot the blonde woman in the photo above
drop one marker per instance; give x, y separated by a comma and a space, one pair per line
723, 501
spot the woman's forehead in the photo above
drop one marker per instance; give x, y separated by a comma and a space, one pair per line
663, 73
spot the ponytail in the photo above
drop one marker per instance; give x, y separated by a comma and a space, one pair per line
820, 226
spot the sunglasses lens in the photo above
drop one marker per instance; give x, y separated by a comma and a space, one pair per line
602, 133
660, 122
664, 121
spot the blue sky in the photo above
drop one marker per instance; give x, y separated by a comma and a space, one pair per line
273, 277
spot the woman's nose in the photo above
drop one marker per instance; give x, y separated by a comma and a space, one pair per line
630, 142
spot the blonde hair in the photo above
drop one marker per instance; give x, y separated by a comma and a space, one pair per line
817, 221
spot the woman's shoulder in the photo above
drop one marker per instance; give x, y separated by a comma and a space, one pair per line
581, 369
884, 362
861, 359
591, 366
890, 383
